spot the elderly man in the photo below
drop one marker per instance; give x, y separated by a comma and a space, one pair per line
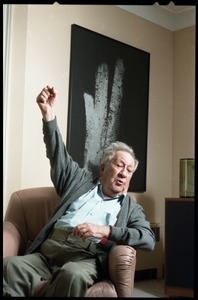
70, 253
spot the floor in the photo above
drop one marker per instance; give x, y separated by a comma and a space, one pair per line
153, 288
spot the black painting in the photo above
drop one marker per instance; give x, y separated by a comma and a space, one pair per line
108, 100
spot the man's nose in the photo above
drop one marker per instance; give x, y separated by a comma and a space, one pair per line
123, 172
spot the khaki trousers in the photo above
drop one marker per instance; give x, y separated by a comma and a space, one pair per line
65, 261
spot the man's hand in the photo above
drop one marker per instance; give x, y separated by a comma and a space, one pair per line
86, 230
46, 100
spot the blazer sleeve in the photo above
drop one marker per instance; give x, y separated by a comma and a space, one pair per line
132, 228
65, 173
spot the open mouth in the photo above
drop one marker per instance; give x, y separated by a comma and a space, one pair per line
119, 182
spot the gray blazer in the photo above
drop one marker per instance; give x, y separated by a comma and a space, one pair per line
71, 181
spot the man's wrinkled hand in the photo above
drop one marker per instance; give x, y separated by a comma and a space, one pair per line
86, 230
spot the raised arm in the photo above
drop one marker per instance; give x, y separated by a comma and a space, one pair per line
65, 173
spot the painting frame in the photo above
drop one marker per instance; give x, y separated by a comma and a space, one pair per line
111, 78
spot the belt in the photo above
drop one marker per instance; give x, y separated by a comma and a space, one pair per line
67, 235
59, 233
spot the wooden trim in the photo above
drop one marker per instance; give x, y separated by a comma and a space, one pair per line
180, 199
179, 292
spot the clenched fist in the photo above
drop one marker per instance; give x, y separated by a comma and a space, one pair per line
46, 101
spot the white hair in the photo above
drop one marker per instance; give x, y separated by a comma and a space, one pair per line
111, 150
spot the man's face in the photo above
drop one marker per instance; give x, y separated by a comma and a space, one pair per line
115, 176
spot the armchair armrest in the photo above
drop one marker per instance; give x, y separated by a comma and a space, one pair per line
122, 263
11, 239
104, 288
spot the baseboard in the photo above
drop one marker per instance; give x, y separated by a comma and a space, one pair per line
146, 274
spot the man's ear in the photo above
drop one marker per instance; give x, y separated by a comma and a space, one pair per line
101, 169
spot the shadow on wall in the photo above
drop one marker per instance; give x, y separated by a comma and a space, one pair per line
149, 206
150, 265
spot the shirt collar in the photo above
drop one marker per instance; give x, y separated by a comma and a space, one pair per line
100, 193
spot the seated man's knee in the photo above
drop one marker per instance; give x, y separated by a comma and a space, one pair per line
72, 269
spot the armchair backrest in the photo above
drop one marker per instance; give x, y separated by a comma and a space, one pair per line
28, 210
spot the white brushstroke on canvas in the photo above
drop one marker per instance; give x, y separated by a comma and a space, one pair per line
102, 118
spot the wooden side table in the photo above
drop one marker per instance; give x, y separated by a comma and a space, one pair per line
179, 247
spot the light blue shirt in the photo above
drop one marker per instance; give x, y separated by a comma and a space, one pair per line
91, 207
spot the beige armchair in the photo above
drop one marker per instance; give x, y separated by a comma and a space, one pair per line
28, 211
